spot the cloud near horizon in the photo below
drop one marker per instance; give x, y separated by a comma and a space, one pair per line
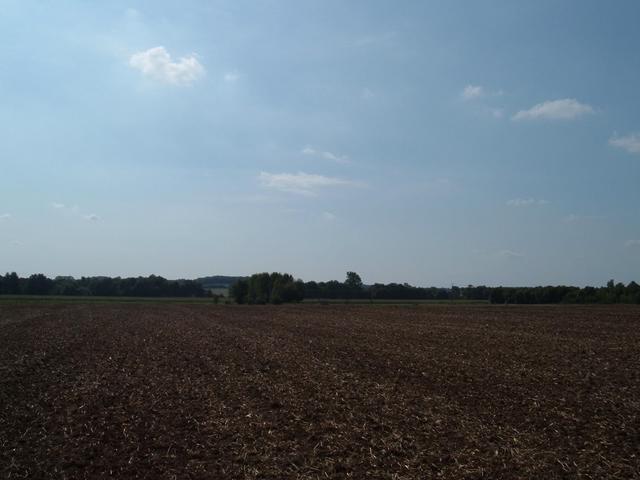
526, 202
302, 183
564, 109
630, 143
156, 63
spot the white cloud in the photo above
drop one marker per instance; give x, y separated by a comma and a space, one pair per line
328, 216
565, 109
510, 254
5, 216
308, 151
156, 63
632, 243
334, 157
231, 77
367, 94
472, 91
302, 183
473, 94
526, 202
74, 211
630, 143
326, 155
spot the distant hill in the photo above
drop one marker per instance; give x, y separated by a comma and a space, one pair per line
217, 281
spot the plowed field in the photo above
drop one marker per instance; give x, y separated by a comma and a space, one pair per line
123, 391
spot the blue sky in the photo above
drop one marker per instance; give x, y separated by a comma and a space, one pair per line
427, 142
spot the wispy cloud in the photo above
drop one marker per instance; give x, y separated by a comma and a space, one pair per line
472, 95
326, 155
309, 151
630, 143
564, 109
526, 202
231, 77
74, 211
302, 183
328, 216
509, 254
156, 63
472, 91
5, 216
632, 244
367, 94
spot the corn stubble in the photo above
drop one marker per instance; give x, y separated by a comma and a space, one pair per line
132, 391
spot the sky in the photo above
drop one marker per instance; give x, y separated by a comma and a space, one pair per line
434, 143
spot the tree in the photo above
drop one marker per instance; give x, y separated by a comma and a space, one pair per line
353, 280
353, 285
38, 284
239, 291
261, 288
11, 284
497, 295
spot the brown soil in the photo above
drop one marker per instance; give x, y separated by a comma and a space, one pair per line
91, 391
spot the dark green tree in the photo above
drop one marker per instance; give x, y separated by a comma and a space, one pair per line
239, 291
38, 284
262, 288
11, 284
353, 285
497, 295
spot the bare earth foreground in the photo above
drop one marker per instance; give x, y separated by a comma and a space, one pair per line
164, 391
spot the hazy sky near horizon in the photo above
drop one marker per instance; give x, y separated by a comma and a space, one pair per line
432, 142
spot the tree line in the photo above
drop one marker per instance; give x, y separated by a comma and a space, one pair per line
353, 288
262, 288
151, 286
611, 293
259, 288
